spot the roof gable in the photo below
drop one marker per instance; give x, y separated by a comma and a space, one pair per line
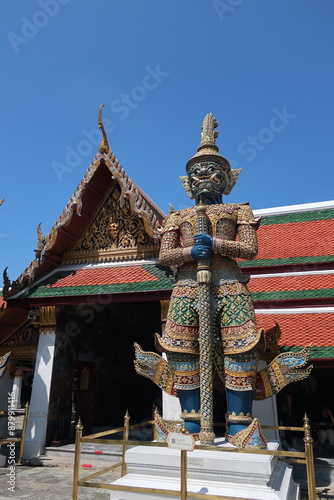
104, 187
116, 233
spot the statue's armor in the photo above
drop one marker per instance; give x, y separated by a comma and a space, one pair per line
232, 312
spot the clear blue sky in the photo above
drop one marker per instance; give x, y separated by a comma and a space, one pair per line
263, 68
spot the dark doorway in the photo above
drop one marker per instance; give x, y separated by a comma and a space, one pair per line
103, 336
84, 397
118, 387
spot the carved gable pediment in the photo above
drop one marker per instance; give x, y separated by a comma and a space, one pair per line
116, 233
25, 336
22, 344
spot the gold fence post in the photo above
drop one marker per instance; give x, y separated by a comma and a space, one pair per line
183, 475
77, 457
308, 440
125, 438
23, 434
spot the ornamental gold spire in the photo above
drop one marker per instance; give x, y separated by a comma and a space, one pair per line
104, 146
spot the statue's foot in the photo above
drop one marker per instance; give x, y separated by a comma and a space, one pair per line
250, 437
164, 427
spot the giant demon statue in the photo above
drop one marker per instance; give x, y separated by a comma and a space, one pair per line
211, 322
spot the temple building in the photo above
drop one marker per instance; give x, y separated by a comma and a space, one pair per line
95, 287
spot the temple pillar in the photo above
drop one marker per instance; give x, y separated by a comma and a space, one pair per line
40, 395
5, 390
266, 411
16, 389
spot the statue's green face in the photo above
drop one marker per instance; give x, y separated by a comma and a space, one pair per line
207, 177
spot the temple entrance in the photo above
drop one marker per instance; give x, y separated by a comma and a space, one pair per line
96, 344
117, 386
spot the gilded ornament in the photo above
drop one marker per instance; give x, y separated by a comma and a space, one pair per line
104, 146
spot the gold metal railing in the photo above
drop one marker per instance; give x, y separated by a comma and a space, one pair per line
303, 457
21, 439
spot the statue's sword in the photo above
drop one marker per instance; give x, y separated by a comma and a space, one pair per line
206, 435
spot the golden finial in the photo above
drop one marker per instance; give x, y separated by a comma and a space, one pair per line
40, 238
104, 146
79, 425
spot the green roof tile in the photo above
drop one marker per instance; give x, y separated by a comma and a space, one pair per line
297, 217
288, 260
293, 294
315, 352
164, 282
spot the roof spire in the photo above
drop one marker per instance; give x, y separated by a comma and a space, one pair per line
104, 146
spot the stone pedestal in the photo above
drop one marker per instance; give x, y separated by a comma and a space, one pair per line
236, 475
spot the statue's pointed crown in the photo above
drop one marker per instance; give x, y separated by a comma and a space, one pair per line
208, 149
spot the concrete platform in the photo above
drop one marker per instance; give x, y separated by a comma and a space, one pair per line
246, 475
49, 477
92, 451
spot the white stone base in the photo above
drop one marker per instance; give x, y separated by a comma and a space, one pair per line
255, 477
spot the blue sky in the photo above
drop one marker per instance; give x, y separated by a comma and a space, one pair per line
264, 68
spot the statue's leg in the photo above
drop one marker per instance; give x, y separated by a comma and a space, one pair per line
241, 340
241, 429
186, 380
239, 410
180, 343
190, 404
240, 373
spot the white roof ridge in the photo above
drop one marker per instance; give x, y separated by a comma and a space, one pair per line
304, 207
279, 274
296, 310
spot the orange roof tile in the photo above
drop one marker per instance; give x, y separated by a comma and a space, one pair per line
105, 276
286, 283
301, 329
296, 239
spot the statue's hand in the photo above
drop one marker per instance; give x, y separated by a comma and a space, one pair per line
201, 252
203, 247
203, 239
